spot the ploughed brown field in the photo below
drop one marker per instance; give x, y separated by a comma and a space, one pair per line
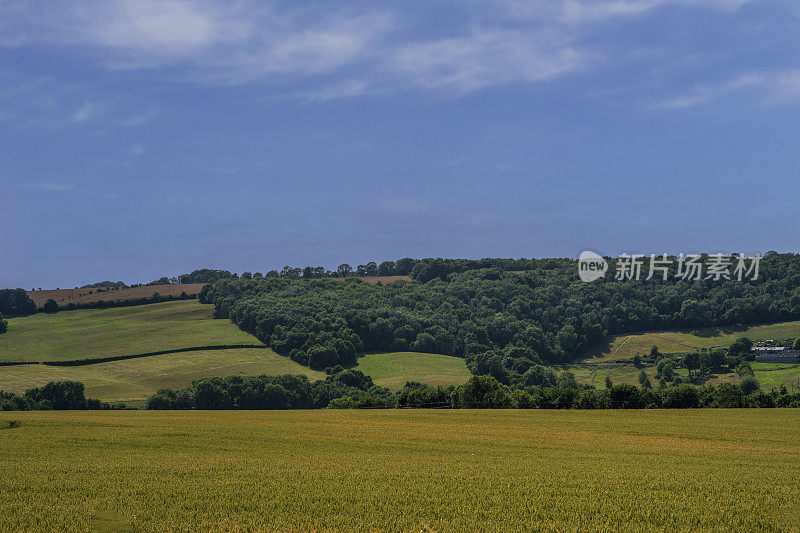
67, 296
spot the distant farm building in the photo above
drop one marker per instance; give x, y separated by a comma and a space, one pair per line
776, 354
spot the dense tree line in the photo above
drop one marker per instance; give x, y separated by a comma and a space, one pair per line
57, 395
51, 306
205, 275
275, 392
502, 323
106, 285
352, 389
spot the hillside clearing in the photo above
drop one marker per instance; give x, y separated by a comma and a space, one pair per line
627, 346
393, 370
88, 333
136, 379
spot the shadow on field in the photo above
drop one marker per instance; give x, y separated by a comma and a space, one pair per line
109, 521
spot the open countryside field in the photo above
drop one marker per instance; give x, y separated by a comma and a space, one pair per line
67, 296
769, 375
132, 380
401, 470
90, 294
393, 370
627, 346
89, 333
595, 374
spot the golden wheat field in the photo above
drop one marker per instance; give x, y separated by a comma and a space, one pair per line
401, 470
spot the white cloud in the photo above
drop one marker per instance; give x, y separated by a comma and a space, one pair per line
173, 26
771, 86
343, 89
87, 111
486, 58
319, 52
585, 11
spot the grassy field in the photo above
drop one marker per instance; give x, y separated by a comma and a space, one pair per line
401, 470
769, 375
595, 374
626, 346
136, 379
392, 370
120, 331
773, 375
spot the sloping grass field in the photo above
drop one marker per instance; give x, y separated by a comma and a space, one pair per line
132, 380
82, 334
393, 370
627, 346
401, 470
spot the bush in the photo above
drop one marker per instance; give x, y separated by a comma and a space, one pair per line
483, 392
320, 357
728, 395
681, 397
587, 399
59, 395
623, 396
50, 306
16, 302
749, 385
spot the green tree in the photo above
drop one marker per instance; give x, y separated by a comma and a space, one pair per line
425, 343
654, 353
403, 266
344, 270
386, 268
691, 361
749, 385
322, 356
728, 395
681, 397
644, 381
483, 392
50, 306
16, 302
60, 395
623, 396
668, 371
740, 346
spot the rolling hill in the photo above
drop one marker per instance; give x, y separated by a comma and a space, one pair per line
136, 379
393, 370
682, 341
93, 333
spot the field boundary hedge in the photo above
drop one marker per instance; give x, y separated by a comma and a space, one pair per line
95, 360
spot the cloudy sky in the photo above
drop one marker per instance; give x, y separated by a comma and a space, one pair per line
149, 138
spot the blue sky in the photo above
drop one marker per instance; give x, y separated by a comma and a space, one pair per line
140, 139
